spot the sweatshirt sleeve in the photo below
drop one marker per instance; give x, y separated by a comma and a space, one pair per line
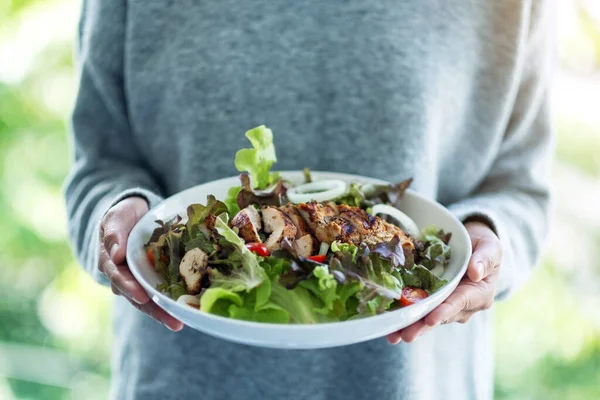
108, 166
514, 197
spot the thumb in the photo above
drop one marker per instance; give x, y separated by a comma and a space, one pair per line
118, 223
487, 253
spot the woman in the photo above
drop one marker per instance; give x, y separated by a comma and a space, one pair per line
453, 95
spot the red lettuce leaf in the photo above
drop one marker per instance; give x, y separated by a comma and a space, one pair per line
274, 196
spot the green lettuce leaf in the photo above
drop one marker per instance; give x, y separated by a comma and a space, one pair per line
269, 313
372, 303
386, 194
373, 272
258, 160
365, 196
347, 303
434, 251
323, 285
354, 197
421, 277
193, 236
262, 294
231, 201
176, 251
339, 246
201, 242
274, 267
217, 301
174, 290
307, 175
431, 231
163, 228
248, 273
251, 306
257, 307
300, 304
197, 213
378, 282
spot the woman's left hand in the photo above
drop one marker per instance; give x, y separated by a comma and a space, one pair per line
475, 292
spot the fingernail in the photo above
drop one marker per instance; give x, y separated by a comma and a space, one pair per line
479, 267
171, 329
113, 250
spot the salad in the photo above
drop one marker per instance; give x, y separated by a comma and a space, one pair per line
275, 252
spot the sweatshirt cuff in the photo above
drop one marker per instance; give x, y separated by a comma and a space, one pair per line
474, 210
151, 198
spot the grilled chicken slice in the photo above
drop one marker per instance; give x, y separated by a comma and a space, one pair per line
338, 229
192, 268
305, 246
331, 222
372, 230
330, 209
317, 214
301, 226
319, 217
248, 223
279, 225
208, 226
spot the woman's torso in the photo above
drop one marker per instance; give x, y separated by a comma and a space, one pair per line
380, 88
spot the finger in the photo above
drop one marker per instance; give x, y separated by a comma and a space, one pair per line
123, 281
410, 333
115, 290
118, 223
468, 297
462, 317
154, 311
458, 301
394, 337
487, 254
126, 284
103, 259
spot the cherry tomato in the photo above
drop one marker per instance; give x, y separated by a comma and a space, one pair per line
319, 259
258, 248
412, 295
150, 256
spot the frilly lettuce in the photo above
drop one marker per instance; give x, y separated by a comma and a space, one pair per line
197, 213
274, 196
231, 200
339, 246
248, 274
300, 305
434, 250
421, 277
258, 160
365, 196
243, 292
218, 300
323, 285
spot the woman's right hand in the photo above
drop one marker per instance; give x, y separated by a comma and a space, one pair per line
114, 231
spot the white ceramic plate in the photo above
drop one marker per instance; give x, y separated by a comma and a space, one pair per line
423, 211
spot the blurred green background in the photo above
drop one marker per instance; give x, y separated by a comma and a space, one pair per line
55, 329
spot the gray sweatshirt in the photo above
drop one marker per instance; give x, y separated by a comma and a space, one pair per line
453, 94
